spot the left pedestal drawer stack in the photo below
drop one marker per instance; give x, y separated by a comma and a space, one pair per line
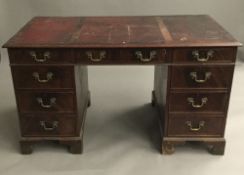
52, 97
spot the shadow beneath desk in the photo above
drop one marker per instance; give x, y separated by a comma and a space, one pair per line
137, 127
9, 130
240, 56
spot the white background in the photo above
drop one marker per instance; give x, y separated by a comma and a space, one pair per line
121, 133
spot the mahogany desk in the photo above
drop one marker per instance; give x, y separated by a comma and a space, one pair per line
194, 60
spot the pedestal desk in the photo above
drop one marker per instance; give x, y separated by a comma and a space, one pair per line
194, 60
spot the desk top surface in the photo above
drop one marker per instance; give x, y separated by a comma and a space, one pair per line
122, 32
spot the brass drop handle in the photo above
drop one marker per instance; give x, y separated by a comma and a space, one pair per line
102, 55
49, 76
53, 126
52, 102
46, 56
198, 128
197, 56
140, 56
197, 80
193, 103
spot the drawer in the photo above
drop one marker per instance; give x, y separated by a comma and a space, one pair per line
201, 76
198, 126
41, 56
145, 55
120, 56
204, 55
48, 126
38, 101
199, 102
43, 77
96, 56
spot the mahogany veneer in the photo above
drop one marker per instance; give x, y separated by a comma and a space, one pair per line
194, 60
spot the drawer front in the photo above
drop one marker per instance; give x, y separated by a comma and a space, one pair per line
144, 55
204, 55
43, 77
29, 102
199, 102
199, 126
41, 56
120, 56
48, 126
95, 56
201, 76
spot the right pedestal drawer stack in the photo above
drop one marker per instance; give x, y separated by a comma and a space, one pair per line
199, 85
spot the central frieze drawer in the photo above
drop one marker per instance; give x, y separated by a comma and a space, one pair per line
38, 101
43, 77
145, 55
201, 76
215, 102
122, 56
96, 56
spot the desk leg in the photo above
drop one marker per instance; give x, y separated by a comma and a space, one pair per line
26, 147
153, 100
89, 99
216, 147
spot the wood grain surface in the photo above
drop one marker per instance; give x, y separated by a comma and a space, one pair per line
110, 32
